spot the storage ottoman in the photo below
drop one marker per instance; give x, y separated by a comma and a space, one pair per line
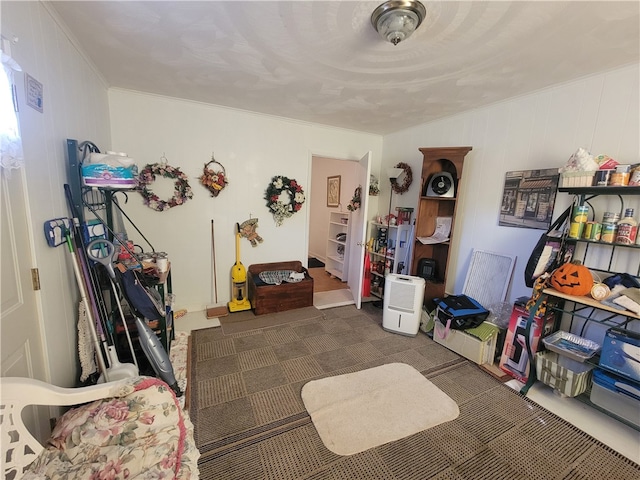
267, 298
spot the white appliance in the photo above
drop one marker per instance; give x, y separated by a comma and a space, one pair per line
402, 306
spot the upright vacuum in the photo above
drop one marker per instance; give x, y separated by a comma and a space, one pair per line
239, 300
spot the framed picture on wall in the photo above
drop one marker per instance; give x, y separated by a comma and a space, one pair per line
333, 191
528, 198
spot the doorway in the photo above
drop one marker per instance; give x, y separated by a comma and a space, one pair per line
335, 288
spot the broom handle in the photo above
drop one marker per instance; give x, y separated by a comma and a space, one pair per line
213, 250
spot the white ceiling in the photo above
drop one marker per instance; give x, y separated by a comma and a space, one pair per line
322, 61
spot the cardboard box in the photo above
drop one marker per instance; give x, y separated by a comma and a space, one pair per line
616, 395
465, 344
514, 359
568, 377
621, 353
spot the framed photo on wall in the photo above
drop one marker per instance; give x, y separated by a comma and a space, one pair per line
528, 198
333, 191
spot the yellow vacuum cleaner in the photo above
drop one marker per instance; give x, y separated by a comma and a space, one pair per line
239, 300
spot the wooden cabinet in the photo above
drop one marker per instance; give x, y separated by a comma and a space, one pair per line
447, 160
392, 255
336, 262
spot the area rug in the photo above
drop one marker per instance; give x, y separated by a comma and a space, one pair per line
358, 411
315, 263
244, 321
251, 424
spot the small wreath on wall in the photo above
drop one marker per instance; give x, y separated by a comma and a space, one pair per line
355, 202
278, 206
182, 190
406, 183
214, 178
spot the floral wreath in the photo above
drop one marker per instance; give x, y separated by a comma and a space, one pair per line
408, 178
213, 180
182, 190
277, 207
354, 204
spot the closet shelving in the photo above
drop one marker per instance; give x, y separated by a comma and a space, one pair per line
337, 260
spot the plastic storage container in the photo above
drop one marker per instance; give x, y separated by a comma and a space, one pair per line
616, 395
470, 347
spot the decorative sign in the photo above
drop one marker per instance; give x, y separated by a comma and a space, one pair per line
33, 92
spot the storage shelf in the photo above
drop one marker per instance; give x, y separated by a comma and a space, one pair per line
399, 241
334, 271
388, 257
337, 252
601, 190
445, 199
604, 244
590, 302
336, 259
581, 304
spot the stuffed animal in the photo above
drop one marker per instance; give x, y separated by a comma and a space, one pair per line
248, 231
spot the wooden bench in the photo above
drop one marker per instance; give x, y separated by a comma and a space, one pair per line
266, 298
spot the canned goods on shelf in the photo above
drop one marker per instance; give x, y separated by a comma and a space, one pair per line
580, 213
575, 229
610, 217
609, 232
621, 176
592, 231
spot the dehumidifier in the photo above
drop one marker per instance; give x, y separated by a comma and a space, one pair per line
402, 306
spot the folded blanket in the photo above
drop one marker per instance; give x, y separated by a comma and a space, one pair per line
276, 277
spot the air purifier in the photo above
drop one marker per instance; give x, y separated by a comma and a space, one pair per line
402, 306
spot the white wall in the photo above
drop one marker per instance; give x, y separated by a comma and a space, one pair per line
75, 106
253, 148
540, 130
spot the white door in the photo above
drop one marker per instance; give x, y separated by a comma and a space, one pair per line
357, 239
21, 339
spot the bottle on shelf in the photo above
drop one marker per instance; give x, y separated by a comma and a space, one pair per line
627, 228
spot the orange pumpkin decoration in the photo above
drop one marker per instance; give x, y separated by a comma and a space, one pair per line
573, 279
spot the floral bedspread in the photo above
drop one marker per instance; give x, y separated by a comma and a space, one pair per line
139, 433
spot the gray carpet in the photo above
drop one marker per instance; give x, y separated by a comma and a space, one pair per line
239, 322
250, 422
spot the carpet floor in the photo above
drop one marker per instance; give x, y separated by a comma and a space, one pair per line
250, 422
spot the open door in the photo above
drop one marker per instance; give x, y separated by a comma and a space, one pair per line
358, 234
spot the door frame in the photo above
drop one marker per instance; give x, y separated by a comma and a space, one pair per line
311, 193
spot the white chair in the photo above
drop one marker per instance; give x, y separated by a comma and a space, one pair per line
19, 447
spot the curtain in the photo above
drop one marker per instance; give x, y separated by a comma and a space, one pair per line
10, 141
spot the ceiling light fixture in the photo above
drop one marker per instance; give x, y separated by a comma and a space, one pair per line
396, 20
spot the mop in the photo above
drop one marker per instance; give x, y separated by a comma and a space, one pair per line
216, 310
96, 309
